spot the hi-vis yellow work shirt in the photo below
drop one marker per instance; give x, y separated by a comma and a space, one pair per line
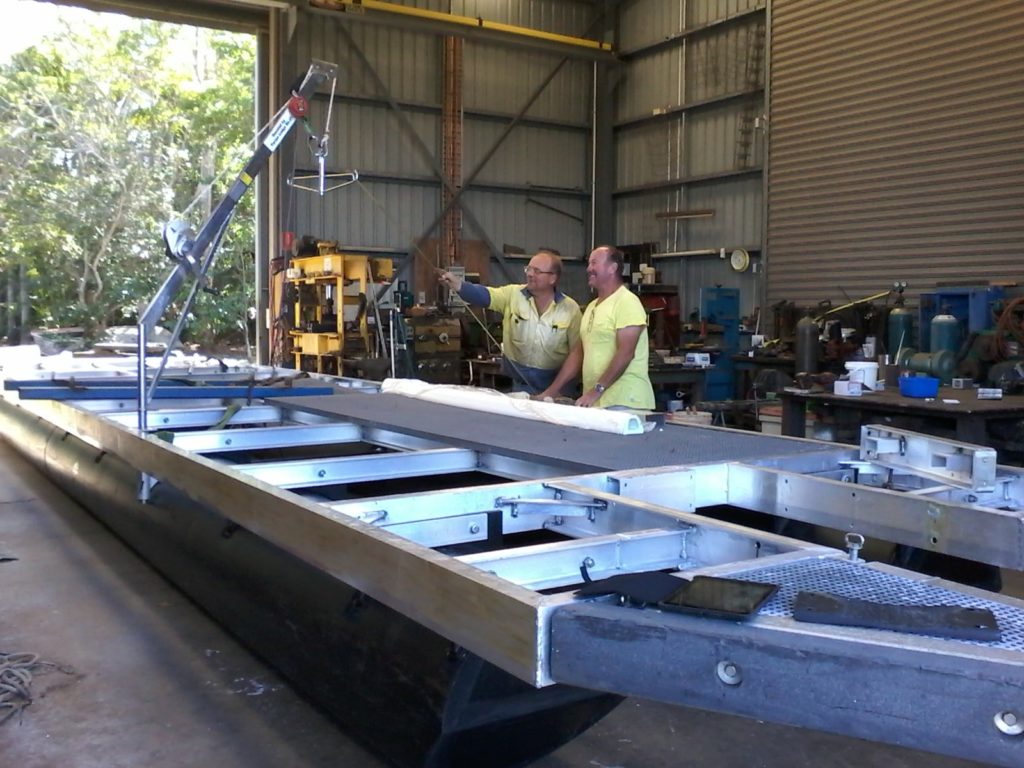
533, 339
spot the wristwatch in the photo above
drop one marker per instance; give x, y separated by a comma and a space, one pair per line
600, 388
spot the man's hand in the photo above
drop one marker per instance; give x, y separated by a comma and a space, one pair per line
589, 398
547, 394
452, 282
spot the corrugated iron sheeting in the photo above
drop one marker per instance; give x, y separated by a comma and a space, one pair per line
737, 221
712, 134
491, 86
559, 16
897, 150
407, 62
635, 221
643, 22
648, 22
529, 155
719, 63
738, 213
651, 83
651, 152
699, 142
367, 214
512, 219
369, 137
705, 11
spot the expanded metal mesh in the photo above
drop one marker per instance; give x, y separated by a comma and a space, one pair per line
846, 578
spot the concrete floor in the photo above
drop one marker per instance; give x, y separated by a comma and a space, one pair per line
156, 683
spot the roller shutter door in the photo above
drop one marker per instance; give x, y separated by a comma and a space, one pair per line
896, 146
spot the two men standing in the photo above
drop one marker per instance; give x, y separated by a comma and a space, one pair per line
540, 324
612, 352
549, 345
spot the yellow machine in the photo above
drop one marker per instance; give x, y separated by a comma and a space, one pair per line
331, 294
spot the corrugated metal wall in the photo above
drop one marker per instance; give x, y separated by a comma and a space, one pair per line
897, 147
543, 163
691, 84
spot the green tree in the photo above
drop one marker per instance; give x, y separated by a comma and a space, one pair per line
103, 137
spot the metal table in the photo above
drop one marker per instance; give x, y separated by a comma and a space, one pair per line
968, 417
680, 375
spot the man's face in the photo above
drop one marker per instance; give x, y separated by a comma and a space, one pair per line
599, 267
540, 274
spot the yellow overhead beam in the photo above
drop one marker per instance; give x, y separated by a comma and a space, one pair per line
467, 22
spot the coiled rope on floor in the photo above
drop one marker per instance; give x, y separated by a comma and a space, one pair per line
16, 673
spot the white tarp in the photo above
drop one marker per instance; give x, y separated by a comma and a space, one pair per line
477, 399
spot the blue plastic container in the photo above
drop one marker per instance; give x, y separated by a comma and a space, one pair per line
919, 386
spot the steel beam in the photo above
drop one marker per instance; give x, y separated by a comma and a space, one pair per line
545, 566
260, 438
683, 181
667, 113
986, 534
942, 696
943, 461
473, 28
492, 618
311, 473
238, 17
470, 114
433, 181
678, 39
187, 418
167, 391
443, 532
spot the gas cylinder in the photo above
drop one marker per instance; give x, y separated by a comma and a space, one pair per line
945, 333
806, 345
899, 327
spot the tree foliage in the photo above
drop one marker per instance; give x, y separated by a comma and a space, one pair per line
106, 135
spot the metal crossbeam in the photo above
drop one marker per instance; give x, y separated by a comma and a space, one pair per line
361, 469
544, 566
186, 418
260, 438
167, 391
945, 461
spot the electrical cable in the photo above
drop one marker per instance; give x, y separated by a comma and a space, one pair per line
16, 673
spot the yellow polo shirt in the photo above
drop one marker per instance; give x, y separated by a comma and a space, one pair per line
601, 322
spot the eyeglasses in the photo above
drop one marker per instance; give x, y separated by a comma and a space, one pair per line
535, 271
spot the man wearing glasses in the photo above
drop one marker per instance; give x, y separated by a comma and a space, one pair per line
540, 324
612, 352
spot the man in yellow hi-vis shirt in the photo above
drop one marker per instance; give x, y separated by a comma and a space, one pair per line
612, 352
540, 323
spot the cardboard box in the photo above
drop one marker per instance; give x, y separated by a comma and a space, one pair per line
849, 388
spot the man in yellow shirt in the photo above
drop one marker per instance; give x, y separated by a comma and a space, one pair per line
612, 352
540, 323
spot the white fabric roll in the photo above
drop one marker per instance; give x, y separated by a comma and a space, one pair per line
491, 401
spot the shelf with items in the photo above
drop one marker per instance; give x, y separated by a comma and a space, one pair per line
330, 295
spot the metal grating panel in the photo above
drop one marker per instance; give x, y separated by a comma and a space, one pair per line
577, 450
896, 149
861, 582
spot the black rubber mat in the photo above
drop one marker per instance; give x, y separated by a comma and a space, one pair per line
577, 450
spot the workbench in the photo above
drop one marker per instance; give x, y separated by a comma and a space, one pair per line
670, 376
749, 366
968, 418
